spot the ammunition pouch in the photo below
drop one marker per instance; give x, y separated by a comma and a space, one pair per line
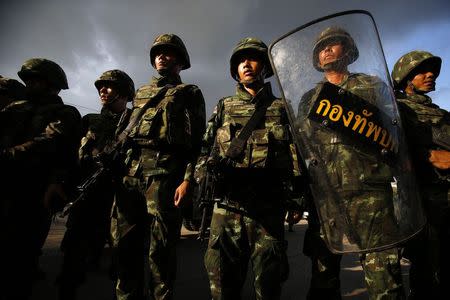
168, 122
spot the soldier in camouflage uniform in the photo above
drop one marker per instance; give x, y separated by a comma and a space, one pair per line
88, 224
161, 153
10, 90
38, 154
248, 223
414, 76
333, 51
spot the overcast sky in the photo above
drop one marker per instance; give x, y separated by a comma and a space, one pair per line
88, 37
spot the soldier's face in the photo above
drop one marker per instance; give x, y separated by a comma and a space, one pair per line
108, 93
249, 68
331, 53
166, 60
425, 81
36, 86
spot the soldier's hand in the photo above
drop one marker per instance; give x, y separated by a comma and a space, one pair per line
181, 192
55, 197
440, 159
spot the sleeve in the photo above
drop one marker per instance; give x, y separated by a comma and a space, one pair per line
88, 138
57, 144
214, 122
197, 116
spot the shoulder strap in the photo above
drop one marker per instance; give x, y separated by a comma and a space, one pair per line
154, 101
262, 101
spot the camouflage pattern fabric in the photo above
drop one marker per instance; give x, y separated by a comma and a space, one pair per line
37, 149
368, 203
410, 62
248, 225
10, 90
427, 252
173, 41
382, 272
420, 116
330, 35
163, 149
359, 177
46, 69
255, 45
88, 224
118, 78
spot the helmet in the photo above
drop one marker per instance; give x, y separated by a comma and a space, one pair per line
118, 78
332, 34
409, 62
46, 69
12, 88
249, 44
173, 41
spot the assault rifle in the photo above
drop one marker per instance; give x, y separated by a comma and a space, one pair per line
108, 163
210, 189
110, 159
206, 203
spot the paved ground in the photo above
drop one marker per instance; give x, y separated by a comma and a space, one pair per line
192, 281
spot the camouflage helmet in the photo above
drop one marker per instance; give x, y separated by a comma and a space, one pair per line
330, 35
118, 78
409, 62
12, 88
173, 41
46, 69
249, 44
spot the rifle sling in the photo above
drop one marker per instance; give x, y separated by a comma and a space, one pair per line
238, 143
153, 101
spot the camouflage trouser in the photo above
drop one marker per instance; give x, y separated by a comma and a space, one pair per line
145, 234
382, 271
85, 237
235, 240
428, 251
25, 227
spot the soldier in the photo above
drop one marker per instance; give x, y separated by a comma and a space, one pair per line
161, 152
39, 156
10, 90
250, 143
88, 225
428, 132
334, 50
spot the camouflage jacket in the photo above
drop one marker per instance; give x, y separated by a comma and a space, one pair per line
99, 132
270, 145
420, 116
44, 139
349, 166
169, 133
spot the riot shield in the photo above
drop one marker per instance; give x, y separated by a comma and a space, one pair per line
335, 84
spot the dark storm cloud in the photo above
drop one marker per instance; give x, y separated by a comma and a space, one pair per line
89, 37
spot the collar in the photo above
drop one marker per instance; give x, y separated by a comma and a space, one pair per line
110, 114
242, 93
164, 80
417, 98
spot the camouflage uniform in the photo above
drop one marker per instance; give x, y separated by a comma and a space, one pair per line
10, 90
368, 200
38, 150
88, 224
162, 151
248, 224
428, 251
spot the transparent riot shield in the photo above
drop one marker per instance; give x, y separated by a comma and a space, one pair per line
334, 81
